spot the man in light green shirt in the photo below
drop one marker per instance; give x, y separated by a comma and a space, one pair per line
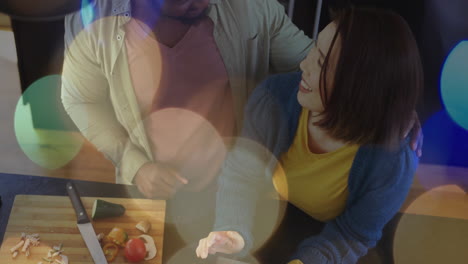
254, 38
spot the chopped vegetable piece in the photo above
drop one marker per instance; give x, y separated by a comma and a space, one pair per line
110, 251
118, 236
15, 248
100, 237
34, 239
104, 209
26, 245
135, 250
59, 247
64, 259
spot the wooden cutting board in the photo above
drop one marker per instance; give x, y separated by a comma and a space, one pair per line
53, 218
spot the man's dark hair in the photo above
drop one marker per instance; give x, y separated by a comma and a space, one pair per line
378, 78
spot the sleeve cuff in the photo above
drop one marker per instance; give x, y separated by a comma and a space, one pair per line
311, 256
132, 160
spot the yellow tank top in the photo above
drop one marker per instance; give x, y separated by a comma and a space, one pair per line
315, 183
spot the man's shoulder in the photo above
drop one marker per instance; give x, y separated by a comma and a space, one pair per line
106, 8
96, 15
96, 11
242, 3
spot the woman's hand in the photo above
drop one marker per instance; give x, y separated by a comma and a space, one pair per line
228, 242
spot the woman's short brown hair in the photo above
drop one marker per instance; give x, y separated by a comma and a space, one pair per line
377, 81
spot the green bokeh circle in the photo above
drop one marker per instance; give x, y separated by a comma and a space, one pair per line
43, 129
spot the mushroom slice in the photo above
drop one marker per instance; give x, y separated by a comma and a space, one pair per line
151, 249
144, 226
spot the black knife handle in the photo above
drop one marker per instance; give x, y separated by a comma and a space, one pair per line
77, 204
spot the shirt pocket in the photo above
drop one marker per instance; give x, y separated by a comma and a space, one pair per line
255, 59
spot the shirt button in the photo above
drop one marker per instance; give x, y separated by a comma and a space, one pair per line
119, 37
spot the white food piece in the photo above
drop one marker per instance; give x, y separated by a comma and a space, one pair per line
27, 253
143, 226
15, 248
57, 248
100, 237
151, 249
64, 259
15, 254
26, 245
34, 239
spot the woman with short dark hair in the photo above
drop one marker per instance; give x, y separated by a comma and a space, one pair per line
338, 132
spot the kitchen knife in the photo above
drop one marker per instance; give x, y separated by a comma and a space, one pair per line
85, 226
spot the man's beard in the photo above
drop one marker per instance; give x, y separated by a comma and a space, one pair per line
157, 6
192, 20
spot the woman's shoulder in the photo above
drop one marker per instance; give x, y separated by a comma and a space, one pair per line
378, 165
399, 152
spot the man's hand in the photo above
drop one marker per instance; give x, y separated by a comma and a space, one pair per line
416, 135
154, 180
228, 242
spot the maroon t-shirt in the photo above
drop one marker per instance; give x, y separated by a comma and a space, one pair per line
185, 99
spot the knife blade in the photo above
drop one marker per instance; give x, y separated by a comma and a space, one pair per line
85, 226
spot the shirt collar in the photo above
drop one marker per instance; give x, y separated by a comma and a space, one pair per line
124, 7
120, 6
